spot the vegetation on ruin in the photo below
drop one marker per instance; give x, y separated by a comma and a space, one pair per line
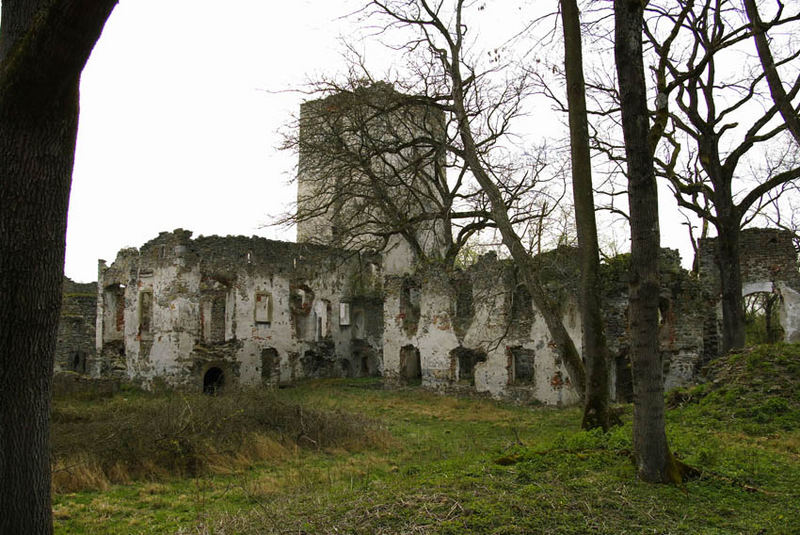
411, 461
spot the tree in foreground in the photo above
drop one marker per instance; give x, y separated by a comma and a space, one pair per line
44, 45
596, 412
654, 462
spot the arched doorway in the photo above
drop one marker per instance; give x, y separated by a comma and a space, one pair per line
213, 381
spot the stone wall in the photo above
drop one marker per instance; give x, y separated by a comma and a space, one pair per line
76, 327
766, 254
768, 264
480, 331
214, 311
220, 311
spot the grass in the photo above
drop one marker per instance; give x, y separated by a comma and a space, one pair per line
136, 435
439, 464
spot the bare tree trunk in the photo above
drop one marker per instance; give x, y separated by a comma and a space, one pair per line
596, 411
560, 337
653, 458
43, 47
730, 276
524, 262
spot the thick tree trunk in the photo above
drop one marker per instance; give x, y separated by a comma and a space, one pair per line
43, 48
35, 165
653, 458
727, 222
730, 277
596, 411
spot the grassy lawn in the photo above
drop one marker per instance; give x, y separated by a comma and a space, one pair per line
418, 462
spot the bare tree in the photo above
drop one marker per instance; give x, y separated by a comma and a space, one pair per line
721, 113
478, 114
779, 96
376, 164
595, 351
44, 45
654, 461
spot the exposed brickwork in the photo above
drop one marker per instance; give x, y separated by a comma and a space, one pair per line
765, 255
76, 328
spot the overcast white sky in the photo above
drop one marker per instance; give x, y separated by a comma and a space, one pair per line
179, 118
178, 127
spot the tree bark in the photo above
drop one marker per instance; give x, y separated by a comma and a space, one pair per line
524, 262
43, 48
653, 458
730, 276
596, 411
727, 221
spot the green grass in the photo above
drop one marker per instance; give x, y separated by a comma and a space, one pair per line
478, 466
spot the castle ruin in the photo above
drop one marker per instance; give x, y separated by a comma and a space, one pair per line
210, 313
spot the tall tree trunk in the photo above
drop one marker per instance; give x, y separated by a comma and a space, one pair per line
35, 165
596, 411
653, 458
727, 223
43, 47
524, 262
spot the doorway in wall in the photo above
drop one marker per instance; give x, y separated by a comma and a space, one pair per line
213, 381
410, 365
464, 360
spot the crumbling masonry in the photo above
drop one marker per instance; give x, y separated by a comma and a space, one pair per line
217, 312
211, 312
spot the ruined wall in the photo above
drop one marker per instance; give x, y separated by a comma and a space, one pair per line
768, 264
480, 330
477, 331
76, 327
357, 169
682, 309
218, 311
255, 311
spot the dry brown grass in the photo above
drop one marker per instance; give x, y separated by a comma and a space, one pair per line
144, 436
77, 473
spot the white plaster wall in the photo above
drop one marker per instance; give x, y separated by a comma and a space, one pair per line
435, 335
394, 337
175, 324
485, 332
257, 336
398, 258
436, 338
789, 312
758, 286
